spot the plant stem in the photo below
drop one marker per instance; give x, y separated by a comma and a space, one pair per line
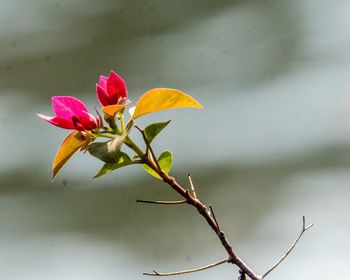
121, 119
112, 124
203, 211
134, 147
106, 136
206, 212
190, 199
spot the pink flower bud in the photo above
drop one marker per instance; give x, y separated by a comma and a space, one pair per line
71, 113
111, 90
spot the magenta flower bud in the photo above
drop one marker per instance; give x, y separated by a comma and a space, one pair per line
111, 90
71, 113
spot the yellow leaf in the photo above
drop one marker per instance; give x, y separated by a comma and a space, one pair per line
111, 110
158, 99
69, 146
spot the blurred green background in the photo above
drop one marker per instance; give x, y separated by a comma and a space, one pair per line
272, 144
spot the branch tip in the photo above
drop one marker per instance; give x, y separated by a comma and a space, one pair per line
306, 228
289, 250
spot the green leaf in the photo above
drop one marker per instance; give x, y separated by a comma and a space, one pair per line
109, 151
124, 160
165, 161
158, 99
153, 130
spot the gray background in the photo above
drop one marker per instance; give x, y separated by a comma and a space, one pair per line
272, 144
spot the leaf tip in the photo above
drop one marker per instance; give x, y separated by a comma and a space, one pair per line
54, 174
99, 174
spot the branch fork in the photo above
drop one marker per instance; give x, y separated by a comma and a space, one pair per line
207, 212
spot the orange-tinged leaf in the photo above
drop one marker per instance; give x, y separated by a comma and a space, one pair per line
69, 146
111, 110
158, 99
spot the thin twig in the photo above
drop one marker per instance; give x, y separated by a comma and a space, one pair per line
192, 186
175, 202
144, 138
290, 248
216, 221
153, 156
155, 273
203, 210
149, 148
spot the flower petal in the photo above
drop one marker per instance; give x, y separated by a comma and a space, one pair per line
65, 107
103, 82
116, 87
87, 121
63, 123
102, 96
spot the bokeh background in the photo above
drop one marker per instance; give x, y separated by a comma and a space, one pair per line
272, 145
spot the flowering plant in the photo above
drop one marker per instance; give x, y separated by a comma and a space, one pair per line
71, 113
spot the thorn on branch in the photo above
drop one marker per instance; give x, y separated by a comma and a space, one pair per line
174, 202
213, 214
192, 186
304, 228
155, 273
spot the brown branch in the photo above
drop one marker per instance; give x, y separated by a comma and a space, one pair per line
175, 202
149, 158
203, 211
290, 248
155, 273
